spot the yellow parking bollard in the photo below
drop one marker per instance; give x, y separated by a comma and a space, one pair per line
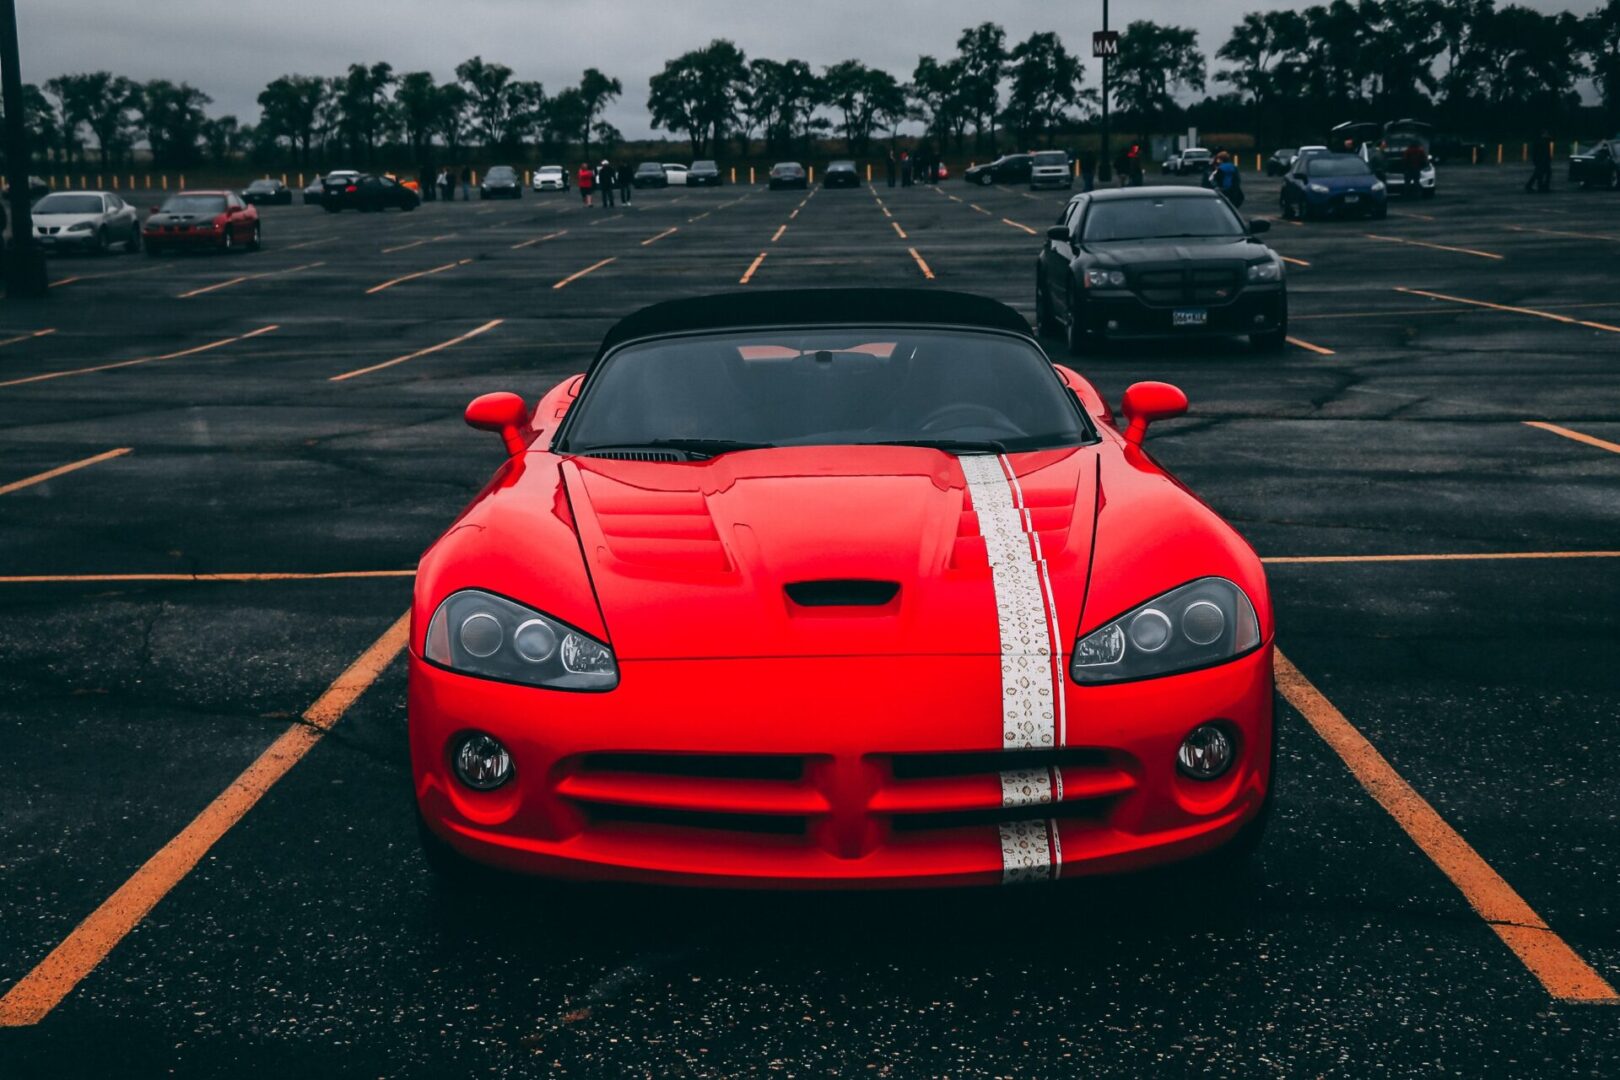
1524, 152
132, 181
148, 181
750, 174
182, 181
300, 179
1499, 153
1258, 164
525, 177
283, 179
1476, 156
165, 179
98, 181
84, 182
52, 183
812, 176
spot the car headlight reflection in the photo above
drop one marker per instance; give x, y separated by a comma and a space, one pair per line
1378, 185
1265, 271
479, 633
1203, 622
80, 226
1105, 279
1320, 189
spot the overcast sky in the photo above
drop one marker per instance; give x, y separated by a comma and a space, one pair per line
232, 49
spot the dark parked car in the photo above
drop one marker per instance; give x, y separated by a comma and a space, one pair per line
841, 174
788, 174
1154, 262
649, 174
1281, 161
1597, 165
267, 192
366, 192
1006, 169
501, 182
1333, 185
703, 174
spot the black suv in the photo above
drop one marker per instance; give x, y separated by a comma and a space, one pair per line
501, 182
1006, 169
703, 174
366, 192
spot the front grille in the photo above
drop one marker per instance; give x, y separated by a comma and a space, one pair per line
932, 766
1188, 286
712, 766
1088, 810
759, 824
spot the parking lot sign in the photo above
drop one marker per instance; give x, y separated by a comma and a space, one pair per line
1105, 43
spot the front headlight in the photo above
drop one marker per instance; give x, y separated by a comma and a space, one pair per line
479, 633
1265, 271
1320, 189
1378, 185
80, 226
1105, 279
1203, 622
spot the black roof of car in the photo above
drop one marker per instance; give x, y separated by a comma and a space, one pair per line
810, 307
841, 165
1158, 191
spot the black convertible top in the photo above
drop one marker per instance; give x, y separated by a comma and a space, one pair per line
811, 307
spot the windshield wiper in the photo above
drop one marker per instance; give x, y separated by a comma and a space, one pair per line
706, 447
957, 446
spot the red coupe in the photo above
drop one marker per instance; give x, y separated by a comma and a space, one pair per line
836, 588
218, 220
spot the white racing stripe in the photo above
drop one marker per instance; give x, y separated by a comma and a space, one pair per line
1026, 787
1029, 852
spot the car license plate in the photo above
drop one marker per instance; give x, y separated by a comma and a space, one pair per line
1195, 316
1352, 197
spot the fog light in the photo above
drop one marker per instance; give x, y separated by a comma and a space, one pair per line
1113, 324
1205, 753
481, 762
1259, 320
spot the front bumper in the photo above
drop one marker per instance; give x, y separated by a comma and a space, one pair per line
1052, 180
1117, 314
162, 237
1338, 204
832, 772
66, 241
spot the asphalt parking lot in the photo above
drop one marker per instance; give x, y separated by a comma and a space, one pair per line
257, 447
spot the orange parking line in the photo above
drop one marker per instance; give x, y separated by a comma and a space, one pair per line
1562, 232
1295, 262
1414, 214
1436, 247
1472, 556
539, 239
1548, 957
777, 235
654, 239
979, 208
102, 579
31, 335
1578, 436
899, 230
1018, 225
751, 268
416, 243
576, 275
1308, 347
60, 470
245, 277
53, 978
492, 324
1509, 308
793, 214
142, 359
108, 274
921, 265
420, 273
311, 243
700, 217
610, 217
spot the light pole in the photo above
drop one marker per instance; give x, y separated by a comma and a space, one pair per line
25, 263
1104, 168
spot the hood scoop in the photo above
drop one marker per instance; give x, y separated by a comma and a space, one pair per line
636, 455
841, 592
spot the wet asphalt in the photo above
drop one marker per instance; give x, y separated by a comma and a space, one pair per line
311, 936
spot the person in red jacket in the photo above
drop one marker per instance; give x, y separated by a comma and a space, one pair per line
587, 182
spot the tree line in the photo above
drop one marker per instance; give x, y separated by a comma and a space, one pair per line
1280, 74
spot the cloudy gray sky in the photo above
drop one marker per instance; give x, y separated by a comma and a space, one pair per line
231, 49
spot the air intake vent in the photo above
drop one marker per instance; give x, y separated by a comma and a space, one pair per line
637, 455
842, 593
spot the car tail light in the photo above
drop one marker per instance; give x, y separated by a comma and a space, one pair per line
350, 189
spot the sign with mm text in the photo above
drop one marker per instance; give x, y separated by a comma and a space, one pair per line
1105, 43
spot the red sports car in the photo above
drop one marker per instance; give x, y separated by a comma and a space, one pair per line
836, 588
202, 219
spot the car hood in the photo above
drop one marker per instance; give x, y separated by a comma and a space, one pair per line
161, 218
1344, 183
1144, 253
697, 560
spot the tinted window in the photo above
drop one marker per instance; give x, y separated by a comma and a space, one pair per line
195, 204
706, 166
500, 172
1336, 165
1051, 157
69, 204
827, 387
1146, 218
262, 185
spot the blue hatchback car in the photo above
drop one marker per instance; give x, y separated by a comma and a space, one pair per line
1333, 185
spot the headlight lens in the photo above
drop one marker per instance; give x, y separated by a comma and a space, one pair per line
1105, 279
1378, 185
1320, 189
80, 226
1265, 271
479, 633
1203, 622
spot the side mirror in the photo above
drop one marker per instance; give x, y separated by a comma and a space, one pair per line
1146, 402
1259, 225
507, 414
1058, 232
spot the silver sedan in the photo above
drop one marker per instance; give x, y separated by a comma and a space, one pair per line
86, 220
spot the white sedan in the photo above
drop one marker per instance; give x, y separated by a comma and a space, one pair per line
550, 178
675, 174
87, 220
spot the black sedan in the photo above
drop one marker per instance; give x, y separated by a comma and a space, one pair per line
788, 174
649, 174
1597, 165
1281, 161
703, 174
841, 174
501, 182
1006, 169
267, 192
366, 192
1158, 262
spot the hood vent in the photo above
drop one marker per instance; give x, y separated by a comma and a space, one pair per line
636, 455
835, 592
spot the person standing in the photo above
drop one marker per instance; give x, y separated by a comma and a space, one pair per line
606, 181
888, 167
1540, 164
621, 173
1227, 180
587, 181
1413, 158
466, 184
444, 186
905, 169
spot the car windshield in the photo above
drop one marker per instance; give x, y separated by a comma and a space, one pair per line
841, 166
824, 386
1051, 157
1337, 165
195, 204
68, 204
787, 169
1145, 218
550, 170
1287, 151
649, 168
499, 172
1188, 155
262, 185
705, 166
